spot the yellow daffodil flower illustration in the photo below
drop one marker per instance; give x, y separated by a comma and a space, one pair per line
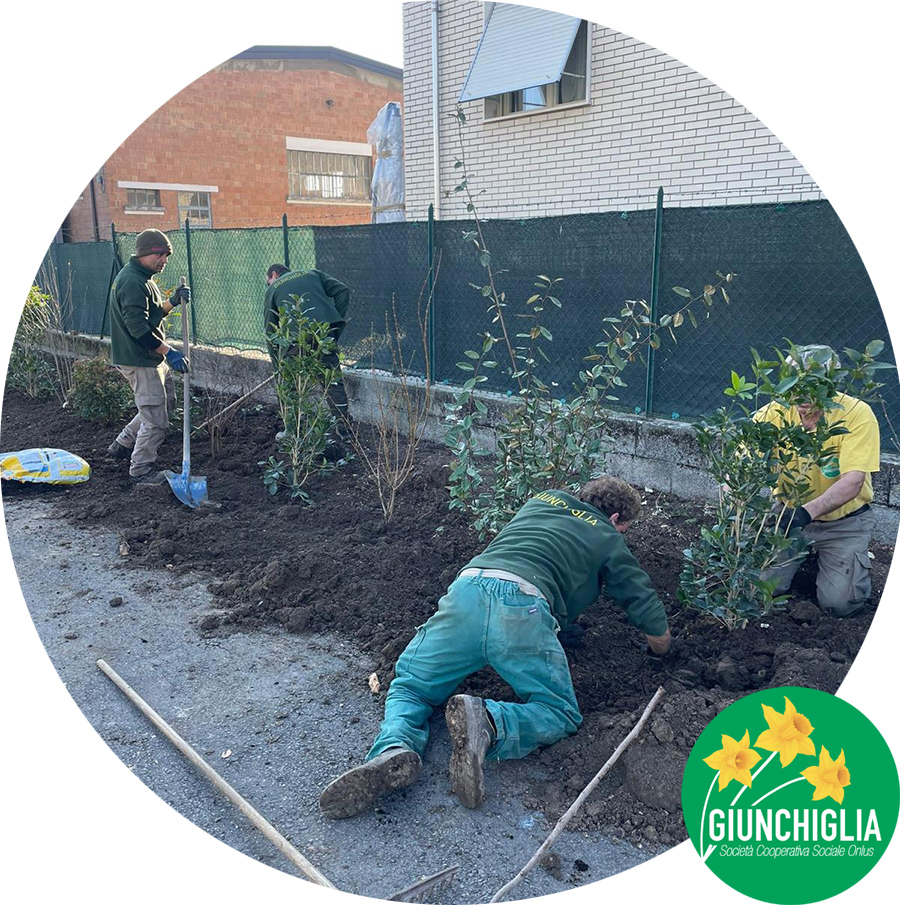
735, 760
788, 733
830, 777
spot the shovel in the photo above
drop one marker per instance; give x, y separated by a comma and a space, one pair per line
190, 489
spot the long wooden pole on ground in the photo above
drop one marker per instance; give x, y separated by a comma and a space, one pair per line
563, 821
227, 790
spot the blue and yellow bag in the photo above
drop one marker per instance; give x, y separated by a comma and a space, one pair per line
44, 466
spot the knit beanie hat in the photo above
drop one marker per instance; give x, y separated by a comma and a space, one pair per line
152, 242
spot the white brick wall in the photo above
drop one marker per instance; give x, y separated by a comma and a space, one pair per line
651, 122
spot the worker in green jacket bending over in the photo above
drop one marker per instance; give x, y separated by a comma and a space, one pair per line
322, 298
505, 609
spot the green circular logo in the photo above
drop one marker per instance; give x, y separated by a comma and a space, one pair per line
790, 795
832, 468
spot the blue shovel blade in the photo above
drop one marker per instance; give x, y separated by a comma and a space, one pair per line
190, 489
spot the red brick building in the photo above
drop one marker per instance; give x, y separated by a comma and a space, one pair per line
274, 130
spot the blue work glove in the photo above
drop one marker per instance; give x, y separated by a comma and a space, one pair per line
792, 521
181, 294
176, 361
572, 636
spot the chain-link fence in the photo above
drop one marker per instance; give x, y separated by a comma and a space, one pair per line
601, 260
386, 268
798, 277
226, 270
79, 274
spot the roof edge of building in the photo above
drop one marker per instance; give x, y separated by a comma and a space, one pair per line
332, 54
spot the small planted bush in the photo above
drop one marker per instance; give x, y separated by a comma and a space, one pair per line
299, 345
99, 392
401, 406
762, 466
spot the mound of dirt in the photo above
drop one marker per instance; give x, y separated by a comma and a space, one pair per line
338, 566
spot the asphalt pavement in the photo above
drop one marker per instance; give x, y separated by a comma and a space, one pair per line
278, 715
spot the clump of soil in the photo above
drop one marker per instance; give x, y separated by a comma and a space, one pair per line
337, 566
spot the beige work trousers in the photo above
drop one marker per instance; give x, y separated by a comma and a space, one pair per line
844, 582
154, 396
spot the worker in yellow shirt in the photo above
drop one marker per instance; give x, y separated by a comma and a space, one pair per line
836, 519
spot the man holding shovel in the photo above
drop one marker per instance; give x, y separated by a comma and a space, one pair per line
505, 609
141, 353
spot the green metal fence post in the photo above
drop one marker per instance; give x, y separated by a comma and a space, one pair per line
190, 266
113, 270
431, 298
284, 234
654, 300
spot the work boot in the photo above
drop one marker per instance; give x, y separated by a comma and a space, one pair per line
471, 734
358, 789
149, 479
115, 450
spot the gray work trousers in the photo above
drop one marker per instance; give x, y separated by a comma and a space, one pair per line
154, 396
844, 582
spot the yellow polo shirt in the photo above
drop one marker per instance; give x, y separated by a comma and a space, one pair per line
858, 450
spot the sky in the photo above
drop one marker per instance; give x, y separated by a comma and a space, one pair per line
373, 30
80, 77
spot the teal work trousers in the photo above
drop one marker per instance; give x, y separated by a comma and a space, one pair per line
484, 622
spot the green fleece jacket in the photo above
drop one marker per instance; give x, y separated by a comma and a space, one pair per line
135, 314
572, 552
322, 298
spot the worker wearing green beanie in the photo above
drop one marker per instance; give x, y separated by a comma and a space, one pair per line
140, 352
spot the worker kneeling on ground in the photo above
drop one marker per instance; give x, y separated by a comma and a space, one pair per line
835, 518
505, 610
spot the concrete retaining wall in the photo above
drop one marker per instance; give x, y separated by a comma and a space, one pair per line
647, 452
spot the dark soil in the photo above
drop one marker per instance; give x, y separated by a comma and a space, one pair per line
337, 566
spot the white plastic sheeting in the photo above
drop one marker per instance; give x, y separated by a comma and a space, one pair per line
388, 183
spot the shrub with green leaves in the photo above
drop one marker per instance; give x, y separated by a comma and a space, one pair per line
299, 345
99, 392
545, 442
30, 370
762, 465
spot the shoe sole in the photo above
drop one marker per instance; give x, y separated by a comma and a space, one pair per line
466, 773
358, 789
